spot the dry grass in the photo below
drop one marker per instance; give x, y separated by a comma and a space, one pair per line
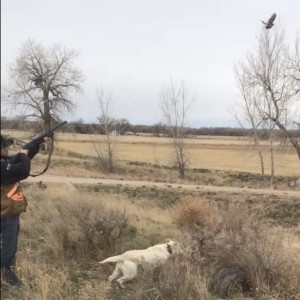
192, 212
228, 250
220, 153
237, 157
241, 255
65, 232
176, 280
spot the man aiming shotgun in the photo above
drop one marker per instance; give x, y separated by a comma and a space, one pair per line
13, 201
36, 142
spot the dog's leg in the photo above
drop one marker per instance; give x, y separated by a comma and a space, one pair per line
122, 280
115, 274
129, 270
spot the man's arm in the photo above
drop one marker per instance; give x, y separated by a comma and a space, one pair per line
11, 173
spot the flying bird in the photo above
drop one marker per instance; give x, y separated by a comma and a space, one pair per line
270, 22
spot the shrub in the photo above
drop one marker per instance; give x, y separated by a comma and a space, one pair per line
193, 212
239, 255
254, 268
176, 280
90, 229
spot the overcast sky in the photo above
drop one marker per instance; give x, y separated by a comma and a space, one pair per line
134, 47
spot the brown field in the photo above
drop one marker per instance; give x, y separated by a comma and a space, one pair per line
241, 239
217, 153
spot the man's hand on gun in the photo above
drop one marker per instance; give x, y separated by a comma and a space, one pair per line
33, 147
26, 151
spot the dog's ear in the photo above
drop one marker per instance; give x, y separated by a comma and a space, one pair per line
169, 248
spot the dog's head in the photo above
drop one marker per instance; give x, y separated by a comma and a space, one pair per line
173, 247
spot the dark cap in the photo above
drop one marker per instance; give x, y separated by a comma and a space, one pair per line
6, 141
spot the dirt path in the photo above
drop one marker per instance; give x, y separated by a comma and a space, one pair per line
133, 183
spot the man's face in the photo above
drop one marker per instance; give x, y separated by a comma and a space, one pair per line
4, 151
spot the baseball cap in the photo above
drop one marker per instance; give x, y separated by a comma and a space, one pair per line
6, 141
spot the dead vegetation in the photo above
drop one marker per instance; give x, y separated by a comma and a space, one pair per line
205, 152
228, 251
89, 227
236, 245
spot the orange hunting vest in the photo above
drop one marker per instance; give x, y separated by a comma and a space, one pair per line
13, 201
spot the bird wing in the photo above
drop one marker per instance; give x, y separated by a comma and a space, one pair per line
272, 18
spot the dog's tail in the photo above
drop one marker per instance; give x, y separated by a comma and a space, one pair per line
112, 259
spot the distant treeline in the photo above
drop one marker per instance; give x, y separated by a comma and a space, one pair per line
123, 127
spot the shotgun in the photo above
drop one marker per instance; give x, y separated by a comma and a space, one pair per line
37, 141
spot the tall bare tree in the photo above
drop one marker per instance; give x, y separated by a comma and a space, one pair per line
246, 113
293, 74
293, 71
106, 150
267, 73
175, 104
42, 79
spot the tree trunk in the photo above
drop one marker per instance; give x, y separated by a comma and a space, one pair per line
47, 114
259, 151
47, 118
272, 165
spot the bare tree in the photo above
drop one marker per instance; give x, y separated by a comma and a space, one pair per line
268, 74
268, 78
246, 112
293, 74
293, 71
175, 104
42, 80
158, 129
106, 150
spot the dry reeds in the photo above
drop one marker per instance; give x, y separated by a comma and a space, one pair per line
226, 252
193, 212
176, 280
239, 255
90, 228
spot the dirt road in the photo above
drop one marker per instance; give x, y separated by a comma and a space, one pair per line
132, 183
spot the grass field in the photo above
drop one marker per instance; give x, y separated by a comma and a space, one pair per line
237, 245
217, 153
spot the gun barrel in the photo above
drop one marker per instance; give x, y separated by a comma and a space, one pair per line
37, 141
51, 131
40, 139
58, 126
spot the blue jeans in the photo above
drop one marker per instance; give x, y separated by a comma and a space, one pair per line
9, 243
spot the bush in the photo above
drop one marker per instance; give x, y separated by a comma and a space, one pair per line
176, 280
90, 229
193, 212
240, 256
254, 268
